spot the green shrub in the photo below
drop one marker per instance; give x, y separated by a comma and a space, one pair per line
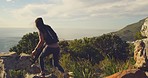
26, 44
111, 66
17, 73
138, 36
81, 68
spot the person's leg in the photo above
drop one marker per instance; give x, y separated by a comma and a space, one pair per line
38, 54
56, 55
45, 53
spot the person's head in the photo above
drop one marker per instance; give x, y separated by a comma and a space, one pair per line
39, 23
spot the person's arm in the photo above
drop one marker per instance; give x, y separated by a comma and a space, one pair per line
40, 43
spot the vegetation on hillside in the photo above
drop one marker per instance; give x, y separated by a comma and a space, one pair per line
138, 36
88, 57
129, 32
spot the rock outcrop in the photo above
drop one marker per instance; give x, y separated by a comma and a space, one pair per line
141, 48
140, 56
11, 62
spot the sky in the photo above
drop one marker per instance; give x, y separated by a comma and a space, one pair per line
89, 14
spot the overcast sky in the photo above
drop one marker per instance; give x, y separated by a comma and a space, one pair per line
95, 14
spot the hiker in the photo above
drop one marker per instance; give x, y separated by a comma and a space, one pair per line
48, 40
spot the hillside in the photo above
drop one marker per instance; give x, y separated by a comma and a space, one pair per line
128, 33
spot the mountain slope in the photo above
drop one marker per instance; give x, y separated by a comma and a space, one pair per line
128, 33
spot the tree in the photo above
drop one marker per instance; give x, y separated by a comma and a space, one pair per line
111, 46
26, 44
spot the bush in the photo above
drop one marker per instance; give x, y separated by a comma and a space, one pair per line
111, 46
17, 73
64, 46
83, 48
80, 68
111, 66
138, 36
26, 44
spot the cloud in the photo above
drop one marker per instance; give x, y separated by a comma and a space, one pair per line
119, 8
84, 9
31, 10
66, 9
9, 0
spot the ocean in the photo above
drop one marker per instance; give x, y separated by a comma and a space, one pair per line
10, 37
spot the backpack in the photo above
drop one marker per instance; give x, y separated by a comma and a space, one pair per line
50, 36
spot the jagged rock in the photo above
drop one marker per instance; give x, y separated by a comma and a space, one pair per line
140, 54
146, 46
13, 61
8, 54
131, 73
144, 29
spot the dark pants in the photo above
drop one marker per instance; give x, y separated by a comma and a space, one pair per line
46, 52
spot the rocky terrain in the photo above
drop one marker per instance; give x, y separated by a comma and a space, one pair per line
11, 62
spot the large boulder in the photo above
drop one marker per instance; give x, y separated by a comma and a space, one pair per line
11, 61
140, 54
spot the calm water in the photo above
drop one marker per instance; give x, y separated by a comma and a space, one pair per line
10, 36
